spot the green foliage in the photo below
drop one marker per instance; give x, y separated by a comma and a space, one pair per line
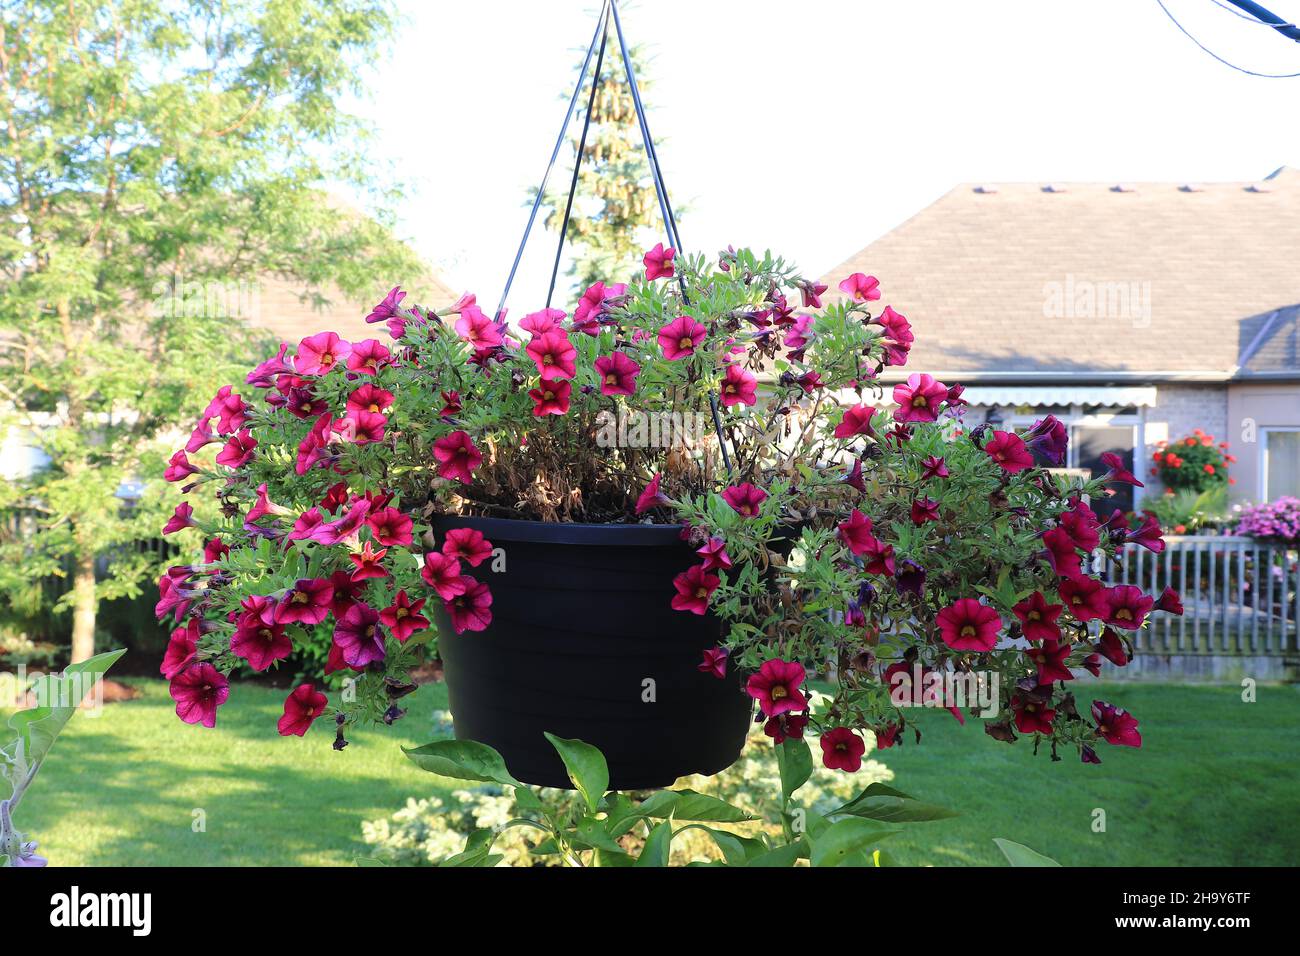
1187, 510
1020, 855
611, 829
156, 146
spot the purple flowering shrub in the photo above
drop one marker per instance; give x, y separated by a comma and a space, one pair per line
1277, 520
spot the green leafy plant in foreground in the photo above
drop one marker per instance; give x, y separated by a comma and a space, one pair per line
57, 698
594, 827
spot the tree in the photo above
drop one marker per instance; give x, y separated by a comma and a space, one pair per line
150, 145
615, 203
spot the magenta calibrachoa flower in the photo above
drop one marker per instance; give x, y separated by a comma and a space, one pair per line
807, 536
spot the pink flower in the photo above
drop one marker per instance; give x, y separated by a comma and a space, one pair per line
198, 691
898, 337
651, 497
202, 435
856, 421
920, 399
592, 305
862, 288
1170, 601
319, 353
1049, 657
659, 262
553, 354
182, 648
457, 456
307, 602
811, 293
468, 545
259, 643
551, 398
214, 550
1115, 725
1038, 618
182, 517
1147, 534
680, 337
403, 618
301, 708
968, 625
800, 333
745, 499
359, 637
465, 301
715, 662
933, 467
443, 575
842, 749
345, 529
715, 555
477, 329
1081, 524
1009, 451
346, 592
238, 450
879, 557
1084, 597
1118, 473
855, 534
388, 309
1033, 715
390, 527
229, 410
369, 398
923, 510
539, 323
617, 374
1127, 607
368, 563
694, 588
738, 387
470, 611
265, 374
451, 405
1110, 646
786, 726
1062, 552
368, 357
311, 448
776, 687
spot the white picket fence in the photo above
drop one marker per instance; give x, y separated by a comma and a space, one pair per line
1239, 595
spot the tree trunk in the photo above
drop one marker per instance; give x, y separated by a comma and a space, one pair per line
84, 607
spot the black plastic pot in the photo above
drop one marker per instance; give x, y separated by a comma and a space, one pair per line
581, 623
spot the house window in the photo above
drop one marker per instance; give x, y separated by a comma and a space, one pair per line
1279, 469
1094, 431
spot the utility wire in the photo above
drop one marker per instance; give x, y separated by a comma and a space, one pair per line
1239, 69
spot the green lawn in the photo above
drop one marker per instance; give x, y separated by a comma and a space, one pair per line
1216, 782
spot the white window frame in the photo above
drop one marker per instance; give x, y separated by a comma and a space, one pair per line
1263, 456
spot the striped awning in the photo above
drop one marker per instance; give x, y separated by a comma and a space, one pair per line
1108, 395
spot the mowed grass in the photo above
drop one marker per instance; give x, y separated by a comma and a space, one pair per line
1217, 781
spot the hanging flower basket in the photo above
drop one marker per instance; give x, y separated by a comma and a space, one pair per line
638, 522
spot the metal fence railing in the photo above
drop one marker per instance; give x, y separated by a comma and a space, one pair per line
1239, 595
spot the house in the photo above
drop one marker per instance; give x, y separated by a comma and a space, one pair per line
1133, 312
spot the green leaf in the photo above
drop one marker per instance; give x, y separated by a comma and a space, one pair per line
736, 850
1020, 855
621, 814
689, 805
463, 760
845, 839
477, 852
782, 856
592, 835
657, 846
610, 858
879, 802
587, 768
795, 762
525, 799
57, 699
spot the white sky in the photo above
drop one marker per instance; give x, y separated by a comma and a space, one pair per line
814, 126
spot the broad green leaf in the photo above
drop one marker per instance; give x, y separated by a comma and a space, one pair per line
657, 846
525, 799
621, 814
1018, 854
57, 699
610, 858
795, 762
782, 856
689, 805
844, 839
879, 802
736, 850
587, 768
463, 760
591, 834
477, 852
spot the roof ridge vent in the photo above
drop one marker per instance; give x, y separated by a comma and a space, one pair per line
1191, 188
1054, 188
1123, 188
985, 188
1259, 188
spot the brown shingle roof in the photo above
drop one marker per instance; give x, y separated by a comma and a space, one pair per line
987, 275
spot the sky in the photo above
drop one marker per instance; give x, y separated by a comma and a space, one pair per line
812, 127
